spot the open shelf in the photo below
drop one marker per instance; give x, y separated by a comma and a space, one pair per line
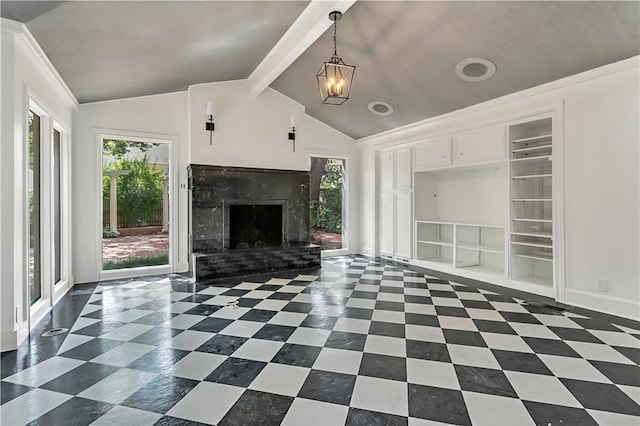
437, 242
533, 234
532, 243
545, 258
533, 159
547, 175
532, 139
479, 247
522, 219
532, 199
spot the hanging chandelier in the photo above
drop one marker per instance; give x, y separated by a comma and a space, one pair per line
335, 77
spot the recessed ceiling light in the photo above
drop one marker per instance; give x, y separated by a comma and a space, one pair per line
380, 108
475, 69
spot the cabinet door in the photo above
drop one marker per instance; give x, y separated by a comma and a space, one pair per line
403, 169
404, 221
433, 153
480, 146
386, 171
386, 226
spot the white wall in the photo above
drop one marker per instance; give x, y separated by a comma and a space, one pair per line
601, 179
249, 132
26, 74
151, 116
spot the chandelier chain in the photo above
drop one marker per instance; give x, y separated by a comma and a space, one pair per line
335, 39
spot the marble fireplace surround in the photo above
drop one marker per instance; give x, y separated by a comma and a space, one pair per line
214, 189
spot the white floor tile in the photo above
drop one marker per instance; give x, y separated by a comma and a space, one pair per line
278, 281
189, 340
352, 325
384, 345
91, 308
457, 323
280, 379
73, 340
309, 336
439, 287
183, 321
123, 355
367, 287
387, 396
291, 289
509, 307
466, 295
118, 386
432, 373
419, 308
507, 342
598, 352
305, 412
413, 421
258, 349
417, 292
303, 298
447, 301
484, 314
293, 319
609, 418
361, 303
338, 360
242, 328
473, 356
306, 278
230, 313
248, 286
45, 371
257, 294
424, 333
197, 365
496, 410
220, 300
213, 291
180, 307
614, 338
556, 321
632, 392
539, 388
82, 323
388, 316
533, 330
327, 310
390, 297
126, 416
200, 405
126, 332
175, 296
274, 305
31, 405
573, 368
130, 315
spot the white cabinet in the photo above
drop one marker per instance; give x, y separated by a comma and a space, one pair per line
395, 231
386, 228
403, 169
404, 221
432, 153
480, 146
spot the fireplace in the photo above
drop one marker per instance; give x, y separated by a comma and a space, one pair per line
246, 221
255, 225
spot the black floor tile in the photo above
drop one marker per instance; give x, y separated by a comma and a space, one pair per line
160, 394
390, 306
620, 374
298, 355
204, 310
499, 298
80, 378
632, 353
358, 313
91, 349
477, 304
383, 366
549, 414
159, 360
257, 408
196, 298
222, 345
601, 396
258, 315
519, 317
520, 361
357, 416
342, 340
443, 293
279, 333
174, 421
395, 290
155, 318
451, 311
74, 412
379, 328
371, 295
9, 391
424, 300
419, 319
156, 336
211, 325
327, 386
99, 328
235, 292
444, 405
428, 350
494, 327
280, 296
484, 380
319, 321
304, 308
595, 324
236, 371
464, 337
550, 347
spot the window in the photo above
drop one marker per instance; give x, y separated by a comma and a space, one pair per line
33, 195
328, 202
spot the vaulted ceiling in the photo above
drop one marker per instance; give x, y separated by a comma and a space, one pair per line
405, 51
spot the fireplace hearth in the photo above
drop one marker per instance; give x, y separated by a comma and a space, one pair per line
246, 221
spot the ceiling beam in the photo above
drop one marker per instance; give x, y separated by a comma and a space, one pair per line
306, 29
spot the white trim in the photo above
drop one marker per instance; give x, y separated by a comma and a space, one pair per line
52, 74
412, 131
135, 272
135, 97
603, 303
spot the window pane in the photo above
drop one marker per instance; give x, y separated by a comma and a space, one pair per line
327, 202
56, 208
34, 208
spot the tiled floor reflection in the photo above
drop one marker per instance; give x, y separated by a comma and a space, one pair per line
357, 342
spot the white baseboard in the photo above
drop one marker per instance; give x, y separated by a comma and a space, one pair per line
603, 303
182, 267
10, 340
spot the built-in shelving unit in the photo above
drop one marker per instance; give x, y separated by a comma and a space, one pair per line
473, 247
531, 172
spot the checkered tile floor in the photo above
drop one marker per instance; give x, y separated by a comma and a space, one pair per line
358, 342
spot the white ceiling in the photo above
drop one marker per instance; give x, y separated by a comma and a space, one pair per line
405, 52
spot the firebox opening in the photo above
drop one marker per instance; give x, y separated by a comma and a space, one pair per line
255, 226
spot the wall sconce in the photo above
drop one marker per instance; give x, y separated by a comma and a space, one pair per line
210, 125
292, 132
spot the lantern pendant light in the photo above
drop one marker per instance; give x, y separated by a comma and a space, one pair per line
335, 77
